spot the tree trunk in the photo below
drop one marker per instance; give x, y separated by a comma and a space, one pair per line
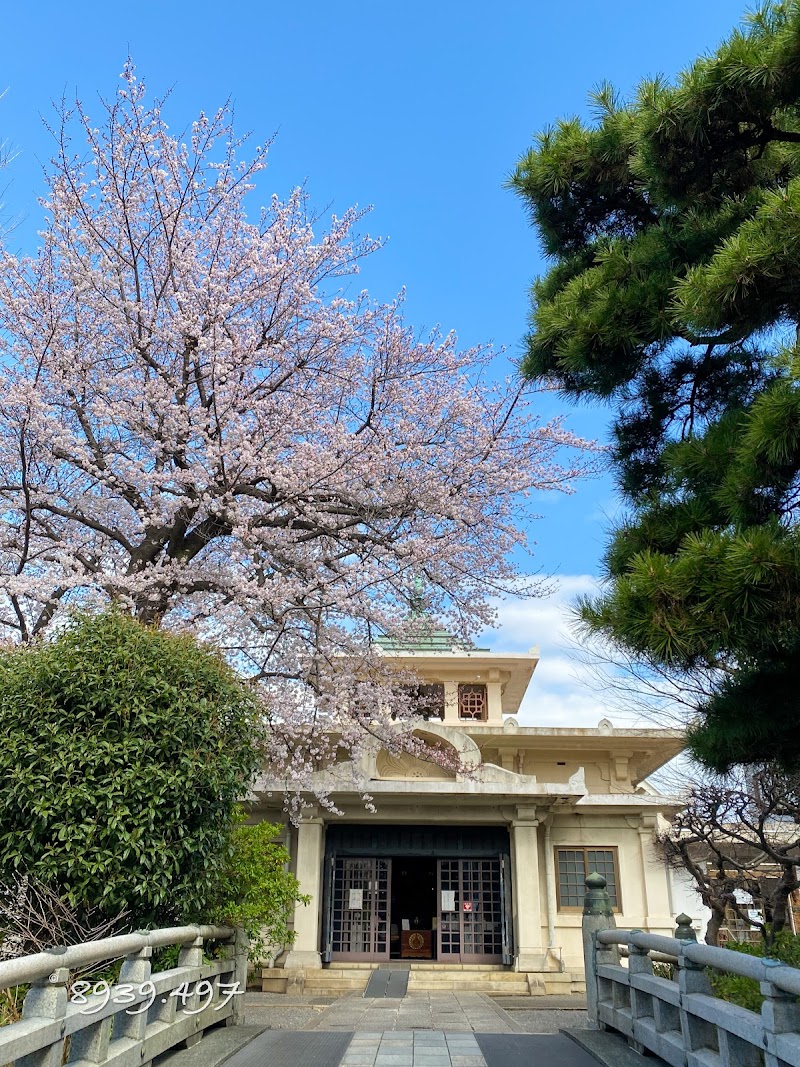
779, 904
714, 924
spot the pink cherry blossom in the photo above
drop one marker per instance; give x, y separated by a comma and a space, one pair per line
201, 421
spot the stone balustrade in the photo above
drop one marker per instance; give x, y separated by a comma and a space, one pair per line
138, 1017
679, 1018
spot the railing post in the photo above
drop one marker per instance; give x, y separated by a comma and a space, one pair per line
780, 1014
238, 950
191, 955
47, 999
639, 962
684, 931
597, 915
692, 978
135, 970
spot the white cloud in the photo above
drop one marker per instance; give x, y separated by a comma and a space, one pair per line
563, 691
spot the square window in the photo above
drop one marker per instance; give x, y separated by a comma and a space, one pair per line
472, 702
573, 867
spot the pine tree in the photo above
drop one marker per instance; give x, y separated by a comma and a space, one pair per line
673, 225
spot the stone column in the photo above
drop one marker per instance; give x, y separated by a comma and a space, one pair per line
529, 955
656, 907
451, 703
305, 950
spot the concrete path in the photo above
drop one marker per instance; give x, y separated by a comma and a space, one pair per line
446, 1012
399, 1048
445, 1029
395, 1048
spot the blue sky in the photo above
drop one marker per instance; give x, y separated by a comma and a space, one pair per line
420, 109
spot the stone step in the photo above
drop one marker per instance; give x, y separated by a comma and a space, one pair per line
414, 965
333, 988
468, 968
432, 980
517, 988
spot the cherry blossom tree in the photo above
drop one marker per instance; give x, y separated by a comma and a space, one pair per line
202, 420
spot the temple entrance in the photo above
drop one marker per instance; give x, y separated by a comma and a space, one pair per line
408, 893
414, 910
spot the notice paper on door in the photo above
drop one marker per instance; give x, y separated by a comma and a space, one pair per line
448, 900
356, 900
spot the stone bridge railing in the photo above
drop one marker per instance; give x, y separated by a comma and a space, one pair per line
679, 1018
128, 1023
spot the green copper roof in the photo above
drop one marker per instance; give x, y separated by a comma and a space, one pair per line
429, 638
432, 640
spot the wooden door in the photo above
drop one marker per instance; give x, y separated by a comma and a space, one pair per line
472, 932
360, 909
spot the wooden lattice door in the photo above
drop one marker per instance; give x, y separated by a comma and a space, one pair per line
471, 919
360, 909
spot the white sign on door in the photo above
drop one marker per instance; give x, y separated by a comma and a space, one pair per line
356, 900
448, 900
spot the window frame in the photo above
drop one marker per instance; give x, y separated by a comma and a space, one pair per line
573, 909
473, 686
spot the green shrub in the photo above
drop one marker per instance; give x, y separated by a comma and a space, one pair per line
745, 991
255, 889
125, 752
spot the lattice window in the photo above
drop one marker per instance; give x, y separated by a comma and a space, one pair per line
574, 864
472, 703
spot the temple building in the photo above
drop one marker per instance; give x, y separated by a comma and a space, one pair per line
477, 874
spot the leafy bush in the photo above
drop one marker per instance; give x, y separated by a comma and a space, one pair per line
255, 889
125, 752
745, 991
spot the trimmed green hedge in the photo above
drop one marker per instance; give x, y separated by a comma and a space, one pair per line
125, 752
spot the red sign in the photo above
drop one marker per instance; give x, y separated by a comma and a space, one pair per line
467, 905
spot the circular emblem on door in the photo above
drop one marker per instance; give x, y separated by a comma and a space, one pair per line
416, 940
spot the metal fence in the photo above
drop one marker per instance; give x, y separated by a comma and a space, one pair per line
679, 1018
133, 1020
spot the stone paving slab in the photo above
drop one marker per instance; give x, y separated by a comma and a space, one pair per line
417, 1048
611, 1050
449, 1012
575, 1001
217, 1047
550, 1022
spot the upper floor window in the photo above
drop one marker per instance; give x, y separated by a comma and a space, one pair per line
472, 703
426, 701
429, 700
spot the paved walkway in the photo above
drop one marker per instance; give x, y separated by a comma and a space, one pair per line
450, 1013
372, 1034
401, 1048
446, 1029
